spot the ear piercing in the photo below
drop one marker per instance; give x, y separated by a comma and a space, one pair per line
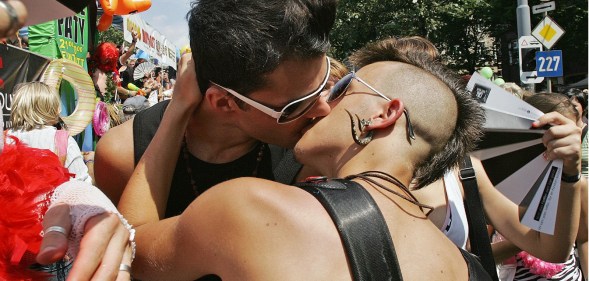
362, 124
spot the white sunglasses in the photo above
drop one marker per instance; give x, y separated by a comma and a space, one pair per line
293, 110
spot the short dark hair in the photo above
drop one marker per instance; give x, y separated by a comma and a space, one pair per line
469, 121
235, 43
580, 95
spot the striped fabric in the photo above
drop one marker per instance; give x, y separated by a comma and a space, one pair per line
571, 272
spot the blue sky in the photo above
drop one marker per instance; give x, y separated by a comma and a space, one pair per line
169, 18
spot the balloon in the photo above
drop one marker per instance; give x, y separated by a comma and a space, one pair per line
486, 72
132, 87
78, 77
120, 7
101, 119
499, 81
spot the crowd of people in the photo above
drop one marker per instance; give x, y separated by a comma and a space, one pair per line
300, 167
121, 82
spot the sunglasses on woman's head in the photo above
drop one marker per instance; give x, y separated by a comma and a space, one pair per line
340, 87
290, 112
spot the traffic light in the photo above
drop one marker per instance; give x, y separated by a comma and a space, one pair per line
528, 46
528, 58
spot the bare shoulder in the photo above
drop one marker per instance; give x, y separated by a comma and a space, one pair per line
114, 160
248, 216
263, 202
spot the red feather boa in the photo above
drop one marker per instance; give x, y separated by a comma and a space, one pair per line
27, 178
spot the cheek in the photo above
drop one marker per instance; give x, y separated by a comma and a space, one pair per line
334, 103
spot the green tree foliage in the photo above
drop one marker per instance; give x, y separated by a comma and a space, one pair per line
112, 34
466, 32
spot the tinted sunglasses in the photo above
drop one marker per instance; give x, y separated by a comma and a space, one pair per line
290, 112
340, 87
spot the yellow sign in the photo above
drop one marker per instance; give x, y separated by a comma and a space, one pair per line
548, 32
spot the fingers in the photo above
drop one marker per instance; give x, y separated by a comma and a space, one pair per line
114, 256
99, 231
552, 118
186, 90
123, 274
562, 140
15, 14
54, 245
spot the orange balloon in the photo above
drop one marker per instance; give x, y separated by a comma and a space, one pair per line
104, 22
120, 7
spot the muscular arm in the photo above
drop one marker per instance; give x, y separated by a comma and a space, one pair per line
146, 193
114, 161
283, 230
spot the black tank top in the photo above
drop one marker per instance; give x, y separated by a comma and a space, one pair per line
205, 174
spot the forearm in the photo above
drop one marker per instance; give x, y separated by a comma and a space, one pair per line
123, 59
583, 232
504, 216
567, 221
557, 248
125, 92
146, 194
503, 250
582, 248
156, 250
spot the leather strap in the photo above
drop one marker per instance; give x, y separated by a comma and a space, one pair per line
284, 165
480, 245
363, 230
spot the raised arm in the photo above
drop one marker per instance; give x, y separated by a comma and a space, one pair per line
562, 141
123, 58
146, 193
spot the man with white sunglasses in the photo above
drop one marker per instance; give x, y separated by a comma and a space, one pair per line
260, 76
255, 229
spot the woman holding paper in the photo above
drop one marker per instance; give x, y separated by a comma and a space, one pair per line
446, 196
528, 266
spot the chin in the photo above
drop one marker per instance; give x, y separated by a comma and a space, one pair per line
299, 153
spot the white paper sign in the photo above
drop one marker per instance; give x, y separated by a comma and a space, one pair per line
535, 186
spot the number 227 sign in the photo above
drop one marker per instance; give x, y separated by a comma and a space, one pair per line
549, 63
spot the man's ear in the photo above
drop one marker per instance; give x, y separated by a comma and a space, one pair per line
390, 113
219, 99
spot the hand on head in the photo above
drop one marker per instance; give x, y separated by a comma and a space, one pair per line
186, 91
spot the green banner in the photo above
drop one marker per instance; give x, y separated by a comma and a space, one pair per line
62, 38
72, 37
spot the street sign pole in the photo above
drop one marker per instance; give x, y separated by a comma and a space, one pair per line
548, 81
524, 27
547, 32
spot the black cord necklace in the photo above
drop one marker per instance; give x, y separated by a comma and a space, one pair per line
186, 156
369, 175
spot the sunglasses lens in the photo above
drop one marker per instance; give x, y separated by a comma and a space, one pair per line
340, 87
296, 110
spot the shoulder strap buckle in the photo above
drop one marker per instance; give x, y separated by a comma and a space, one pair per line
467, 173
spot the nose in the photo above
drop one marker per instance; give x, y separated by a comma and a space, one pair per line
320, 108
